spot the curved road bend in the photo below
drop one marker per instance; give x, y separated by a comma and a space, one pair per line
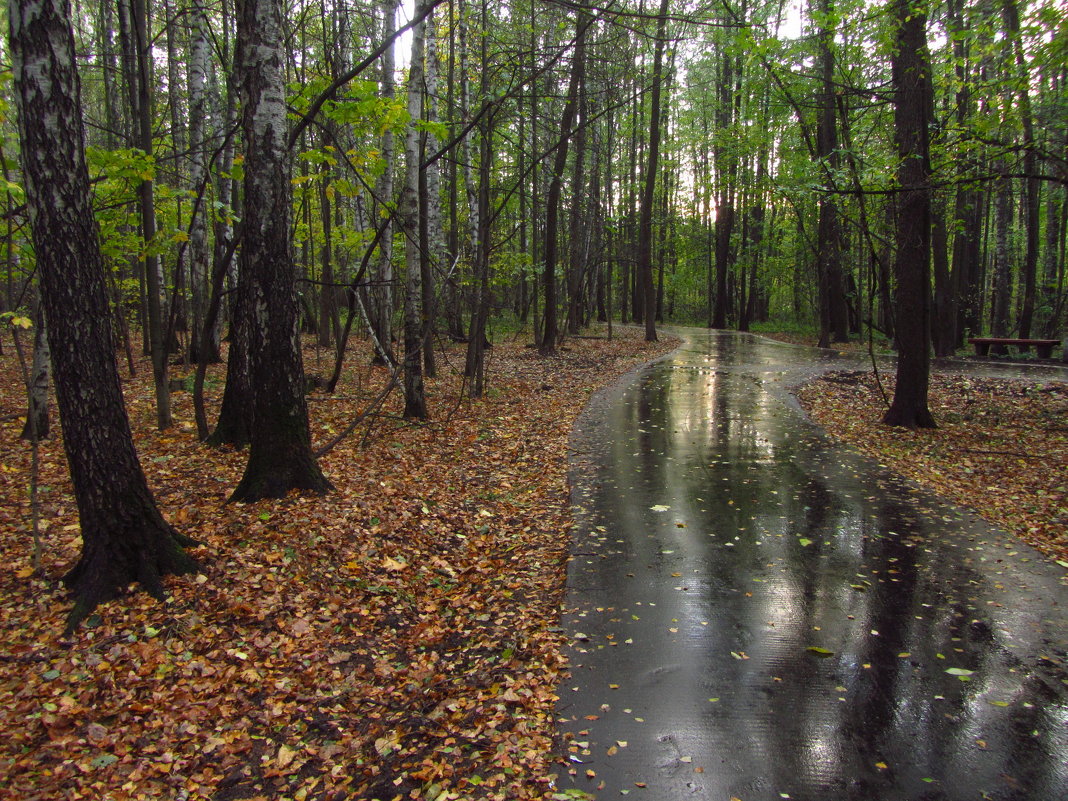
758, 614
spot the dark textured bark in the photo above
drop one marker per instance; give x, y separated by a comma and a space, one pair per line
1002, 301
966, 266
1029, 272
645, 224
124, 537
280, 454
414, 387
911, 77
37, 423
551, 329
234, 426
139, 78
834, 314
943, 324
723, 228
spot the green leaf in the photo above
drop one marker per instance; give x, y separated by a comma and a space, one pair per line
960, 673
805, 541
821, 652
103, 760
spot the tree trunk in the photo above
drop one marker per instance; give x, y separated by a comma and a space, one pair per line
1029, 273
124, 537
944, 321
645, 224
280, 454
552, 202
382, 306
1002, 302
36, 427
414, 389
912, 83
142, 87
834, 316
199, 65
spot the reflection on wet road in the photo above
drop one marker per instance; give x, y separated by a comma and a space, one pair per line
759, 614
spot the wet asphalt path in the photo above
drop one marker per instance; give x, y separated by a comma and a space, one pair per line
759, 614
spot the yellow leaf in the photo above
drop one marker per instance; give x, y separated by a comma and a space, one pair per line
285, 757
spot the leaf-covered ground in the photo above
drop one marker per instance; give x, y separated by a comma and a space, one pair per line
391, 640
1001, 446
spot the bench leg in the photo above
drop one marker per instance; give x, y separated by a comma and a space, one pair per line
1044, 351
982, 348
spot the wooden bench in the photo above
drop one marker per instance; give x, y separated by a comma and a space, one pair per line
1044, 347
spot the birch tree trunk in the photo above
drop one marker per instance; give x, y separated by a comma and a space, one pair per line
414, 390
199, 65
124, 537
280, 455
382, 307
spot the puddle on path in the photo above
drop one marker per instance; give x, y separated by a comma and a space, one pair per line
758, 614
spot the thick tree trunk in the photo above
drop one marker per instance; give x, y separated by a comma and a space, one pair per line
124, 537
280, 454
911, 76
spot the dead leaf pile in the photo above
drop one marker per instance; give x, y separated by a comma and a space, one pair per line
1001, 446
390, 640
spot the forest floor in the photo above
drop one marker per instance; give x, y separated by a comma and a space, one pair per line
394, 639
1001, 446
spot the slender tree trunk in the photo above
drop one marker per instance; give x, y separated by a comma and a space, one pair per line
434, 249
645, 225
944, 319
199, 65
1029, 271
414, 390
834, 317
143, 83
36, 427
1002, 303
328, 311
552, 202
383, 293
